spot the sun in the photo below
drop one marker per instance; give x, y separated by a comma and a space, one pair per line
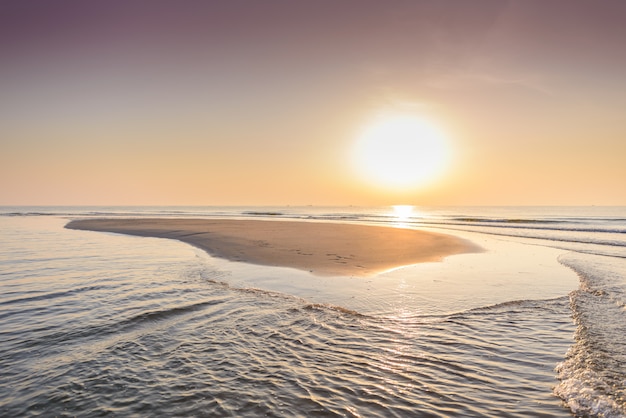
401, 152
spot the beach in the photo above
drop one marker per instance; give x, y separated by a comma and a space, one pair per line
202, 311
320, 248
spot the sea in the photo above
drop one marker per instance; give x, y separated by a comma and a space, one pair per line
98, 324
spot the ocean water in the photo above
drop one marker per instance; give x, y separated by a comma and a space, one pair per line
96, 324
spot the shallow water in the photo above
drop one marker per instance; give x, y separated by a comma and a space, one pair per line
97, 324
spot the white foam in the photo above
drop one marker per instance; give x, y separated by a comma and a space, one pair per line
584, 391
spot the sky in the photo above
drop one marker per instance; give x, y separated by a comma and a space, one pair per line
262, 102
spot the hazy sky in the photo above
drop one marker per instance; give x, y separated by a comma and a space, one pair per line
261, 102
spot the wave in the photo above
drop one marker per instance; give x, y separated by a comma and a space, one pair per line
163, 314
49, 295
515, 305
592, 374
333, 308
29, 214
256, 213
515, 224
52, 336
618, 241
507, 221
303, 303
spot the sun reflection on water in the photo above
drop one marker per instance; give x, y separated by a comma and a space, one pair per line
401, 215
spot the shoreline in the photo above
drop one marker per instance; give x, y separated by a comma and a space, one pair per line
318, 247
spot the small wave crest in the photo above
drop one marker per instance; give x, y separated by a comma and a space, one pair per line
163, 314
507, 221
302, 303
515, 306
27, 214
262, 213
334, 308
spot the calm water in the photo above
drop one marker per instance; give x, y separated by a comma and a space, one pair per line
96, 324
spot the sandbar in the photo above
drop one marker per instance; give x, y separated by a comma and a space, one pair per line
319, 247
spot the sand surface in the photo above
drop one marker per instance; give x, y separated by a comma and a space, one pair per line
322, 248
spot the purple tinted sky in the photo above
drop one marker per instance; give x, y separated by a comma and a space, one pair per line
258, 102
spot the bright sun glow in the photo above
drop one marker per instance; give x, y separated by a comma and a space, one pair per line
401, 152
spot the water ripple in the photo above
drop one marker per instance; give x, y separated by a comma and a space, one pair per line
163, 334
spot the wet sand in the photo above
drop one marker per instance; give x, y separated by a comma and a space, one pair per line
321, 248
